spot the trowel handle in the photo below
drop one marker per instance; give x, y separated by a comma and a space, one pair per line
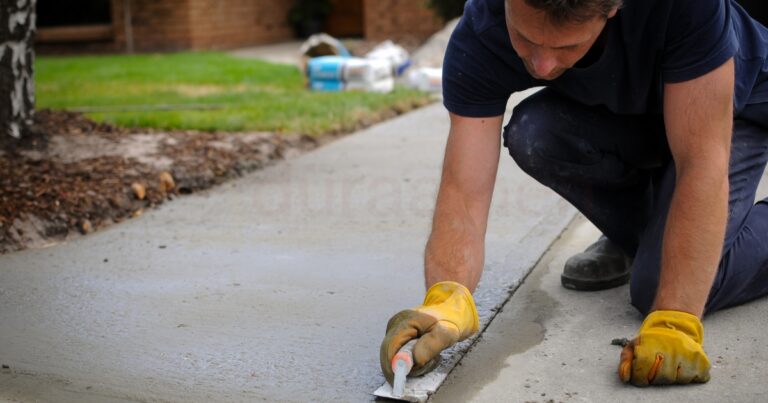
404, 357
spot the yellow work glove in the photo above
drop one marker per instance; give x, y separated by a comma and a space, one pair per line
447, 316
667, 350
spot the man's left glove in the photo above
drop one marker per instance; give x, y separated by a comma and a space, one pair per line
667, 350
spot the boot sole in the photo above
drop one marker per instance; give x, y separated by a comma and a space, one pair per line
593, 285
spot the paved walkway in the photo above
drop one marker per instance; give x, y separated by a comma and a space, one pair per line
273, 287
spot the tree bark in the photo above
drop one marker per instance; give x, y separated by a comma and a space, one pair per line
17, 90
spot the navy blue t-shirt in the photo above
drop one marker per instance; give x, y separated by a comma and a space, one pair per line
648, 43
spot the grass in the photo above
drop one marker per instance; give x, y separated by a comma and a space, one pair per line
245, 95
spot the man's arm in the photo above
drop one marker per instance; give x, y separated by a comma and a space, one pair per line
699, 120
456, 248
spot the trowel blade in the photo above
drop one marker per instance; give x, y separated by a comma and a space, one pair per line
410, 393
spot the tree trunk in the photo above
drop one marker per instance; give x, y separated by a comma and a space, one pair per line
17, 91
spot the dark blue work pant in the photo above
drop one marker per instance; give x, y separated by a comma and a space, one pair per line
618, 171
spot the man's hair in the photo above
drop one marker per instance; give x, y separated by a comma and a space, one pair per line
575, 11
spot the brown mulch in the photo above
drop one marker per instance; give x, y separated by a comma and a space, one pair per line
70, 176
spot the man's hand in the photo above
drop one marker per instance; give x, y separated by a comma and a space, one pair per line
447, 316
667, 350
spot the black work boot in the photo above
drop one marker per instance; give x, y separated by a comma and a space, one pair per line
603, 265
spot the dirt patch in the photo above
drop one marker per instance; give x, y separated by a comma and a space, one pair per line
70, 176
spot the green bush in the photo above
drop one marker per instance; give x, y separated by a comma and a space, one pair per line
448, 9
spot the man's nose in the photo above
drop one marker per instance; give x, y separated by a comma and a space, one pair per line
543, 63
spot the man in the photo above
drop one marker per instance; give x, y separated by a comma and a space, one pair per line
654, 124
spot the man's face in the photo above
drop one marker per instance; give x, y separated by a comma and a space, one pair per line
549, 49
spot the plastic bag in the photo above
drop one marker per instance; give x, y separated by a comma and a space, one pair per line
395, 54
427, 79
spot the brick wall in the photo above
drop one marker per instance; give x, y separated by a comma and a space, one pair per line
221, 24
170, 25
157, 25
400, 20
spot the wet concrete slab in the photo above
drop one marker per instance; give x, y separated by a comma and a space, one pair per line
551, 345
274, 287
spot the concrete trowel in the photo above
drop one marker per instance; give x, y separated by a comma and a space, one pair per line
403, 388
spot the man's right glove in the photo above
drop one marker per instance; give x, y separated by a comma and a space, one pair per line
447, 316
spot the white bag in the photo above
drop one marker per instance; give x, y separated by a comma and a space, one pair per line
427, 79
397, 56
381, 86
366, 70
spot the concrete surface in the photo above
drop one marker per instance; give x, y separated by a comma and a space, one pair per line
274, 287
278, 286
550, 344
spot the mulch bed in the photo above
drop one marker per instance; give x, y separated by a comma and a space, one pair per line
70, 176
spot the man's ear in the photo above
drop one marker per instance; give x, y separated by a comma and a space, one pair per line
613, 12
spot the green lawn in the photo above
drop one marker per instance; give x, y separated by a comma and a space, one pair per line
221, 93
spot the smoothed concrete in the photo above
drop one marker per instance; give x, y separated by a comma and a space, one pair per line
274, 287
550, 344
